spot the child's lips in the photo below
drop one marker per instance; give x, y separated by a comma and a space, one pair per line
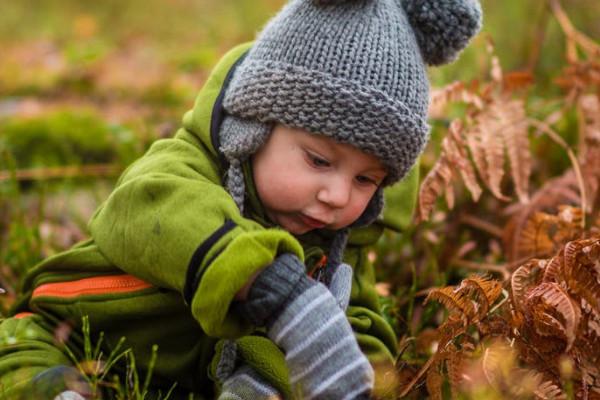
312, 222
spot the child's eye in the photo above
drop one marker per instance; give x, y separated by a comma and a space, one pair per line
365, 180
318, 161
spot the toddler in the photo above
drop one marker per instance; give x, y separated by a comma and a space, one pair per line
239, 245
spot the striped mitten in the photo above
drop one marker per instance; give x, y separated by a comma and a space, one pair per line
246, 384
304, 319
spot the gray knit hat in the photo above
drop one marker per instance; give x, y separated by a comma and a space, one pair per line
353, 70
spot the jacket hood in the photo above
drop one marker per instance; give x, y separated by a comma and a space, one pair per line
205, 119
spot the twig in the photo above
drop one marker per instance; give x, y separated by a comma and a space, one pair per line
481, 224
423, 369
94, 170
501, 269
570, 31
560, 141
506, 296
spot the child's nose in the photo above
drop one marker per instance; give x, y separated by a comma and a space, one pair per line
336, 193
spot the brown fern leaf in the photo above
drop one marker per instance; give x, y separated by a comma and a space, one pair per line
549, 390
584, 282
450, 329
512, 115
581, 259
454, 300
524, 278
496, 326
542, 349
434, 184
578, 77
542, 234
487, 149
460, 159
516, 80
555, 297
589, 110
453, 93
484, 291
453, 161
555, 192
456, 364
553, 271
434, 382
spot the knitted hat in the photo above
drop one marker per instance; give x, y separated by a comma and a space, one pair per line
352, 70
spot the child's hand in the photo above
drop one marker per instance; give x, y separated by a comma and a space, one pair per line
304, 319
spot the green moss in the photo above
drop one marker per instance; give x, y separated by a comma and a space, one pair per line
65, 138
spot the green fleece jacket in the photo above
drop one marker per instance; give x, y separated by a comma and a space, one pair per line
167, 254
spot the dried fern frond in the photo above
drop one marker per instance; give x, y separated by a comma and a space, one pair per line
539, 234
524, 278
547, 300
434, 382
549, 390
501, 125
483, 290
589, 112
456, 364
553, 272
495, 122
453, 299
453, 162
452, 93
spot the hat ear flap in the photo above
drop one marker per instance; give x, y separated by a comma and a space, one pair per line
443, 27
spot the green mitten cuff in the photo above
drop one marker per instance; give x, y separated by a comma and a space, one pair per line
262, 355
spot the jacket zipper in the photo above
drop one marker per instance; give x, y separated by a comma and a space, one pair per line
92, 286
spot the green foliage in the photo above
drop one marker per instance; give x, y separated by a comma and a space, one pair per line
100, 370
66, 138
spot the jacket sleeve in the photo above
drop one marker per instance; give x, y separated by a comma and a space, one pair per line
170, 222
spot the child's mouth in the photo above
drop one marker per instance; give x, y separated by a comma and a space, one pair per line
311, 222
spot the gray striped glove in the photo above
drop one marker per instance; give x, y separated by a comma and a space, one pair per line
246, 384
69, 395
304, 319
241, 383
340, 285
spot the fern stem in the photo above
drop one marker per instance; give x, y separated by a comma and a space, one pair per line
422, 371
505, 296
501, 269
481, 224
560, 141
570, 31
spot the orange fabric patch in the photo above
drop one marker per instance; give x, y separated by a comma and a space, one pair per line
90, 286
22, 315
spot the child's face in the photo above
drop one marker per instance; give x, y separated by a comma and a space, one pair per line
308, 181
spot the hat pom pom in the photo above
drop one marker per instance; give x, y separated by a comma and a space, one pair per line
443, 27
